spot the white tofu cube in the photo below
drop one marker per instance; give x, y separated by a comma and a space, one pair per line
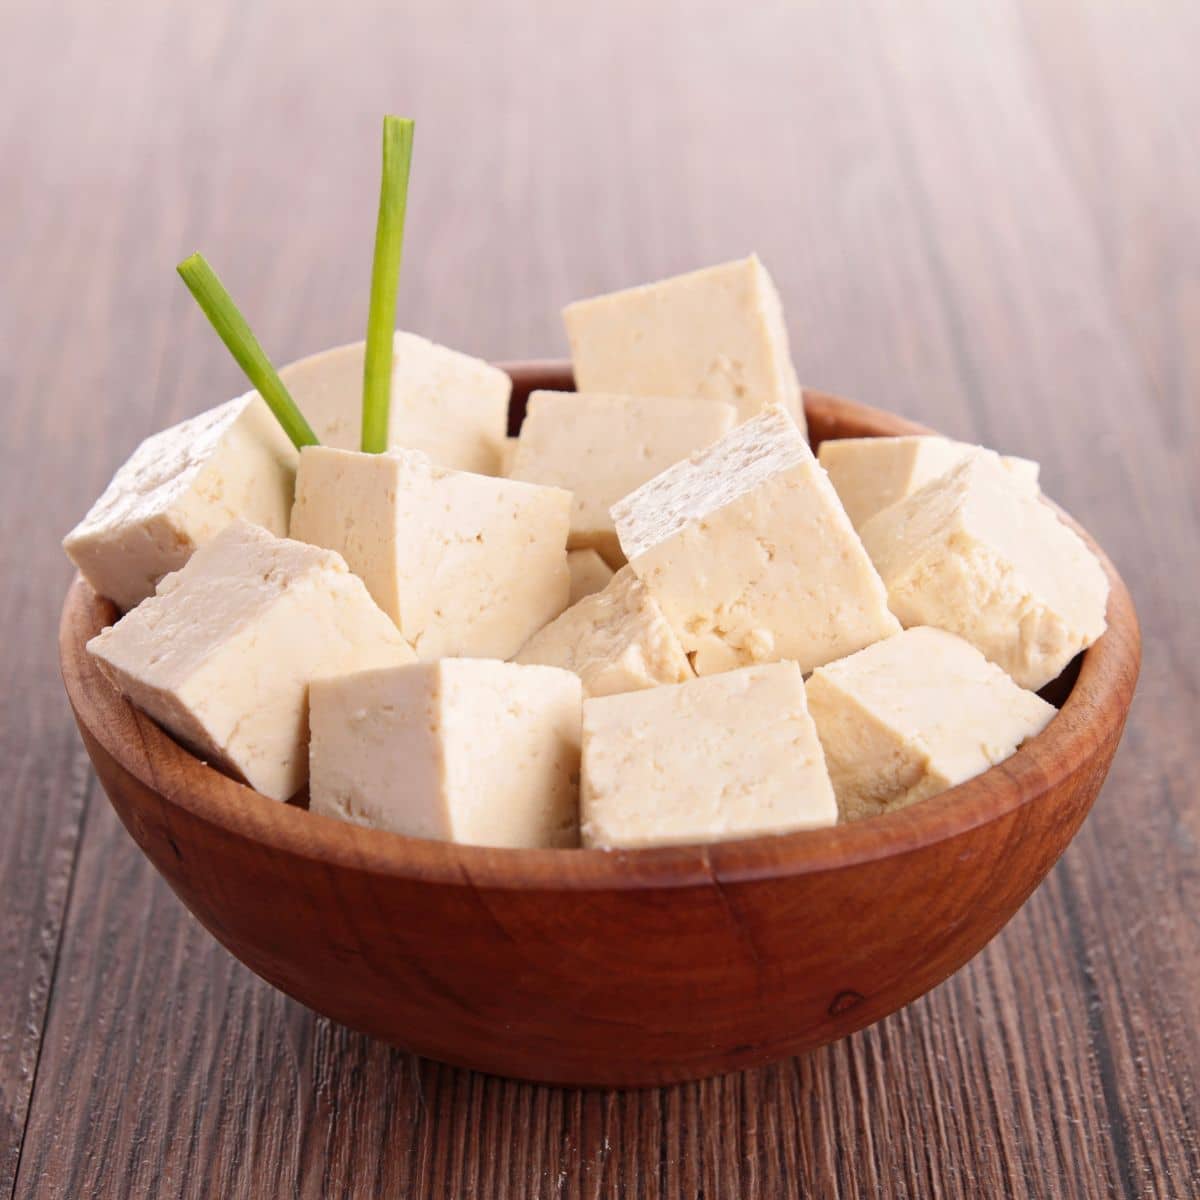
975, 554
461, 750
178, 490
589, 573
449, 405
872, 473
751, 556
732, 756
913, 715
464, 564
616, 641
602, 447
508, 452
717, 333
223, 654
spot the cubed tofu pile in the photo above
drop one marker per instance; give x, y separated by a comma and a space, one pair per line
653, 618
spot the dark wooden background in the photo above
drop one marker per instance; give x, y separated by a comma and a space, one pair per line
986, 216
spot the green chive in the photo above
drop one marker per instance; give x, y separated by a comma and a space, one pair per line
385, 278
233, 330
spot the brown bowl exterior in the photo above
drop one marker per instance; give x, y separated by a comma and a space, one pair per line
623, 968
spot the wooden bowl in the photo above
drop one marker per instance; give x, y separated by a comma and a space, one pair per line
610, 968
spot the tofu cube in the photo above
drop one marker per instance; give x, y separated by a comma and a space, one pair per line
461, 750
717, 333
751, 556
615, 641
872, 473
975, 554
466, 565
449, 405
589, 573
602, 447
178, 490
732, 756
223, 654
913, 715
508, 452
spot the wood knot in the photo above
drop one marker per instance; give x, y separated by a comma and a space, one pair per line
844, 1001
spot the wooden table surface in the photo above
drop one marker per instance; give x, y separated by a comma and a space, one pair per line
984, 216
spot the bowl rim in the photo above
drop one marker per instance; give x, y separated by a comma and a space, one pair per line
1093, 712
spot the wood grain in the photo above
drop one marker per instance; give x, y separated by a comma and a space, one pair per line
984, 217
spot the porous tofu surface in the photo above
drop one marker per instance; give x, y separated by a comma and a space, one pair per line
871, 473
464, 564
589, 573
973, 553
751, 557
178, 490
729, 756
913, 715
445, 403
616, 640
602, 447
461, 750
223, 653
717, 333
